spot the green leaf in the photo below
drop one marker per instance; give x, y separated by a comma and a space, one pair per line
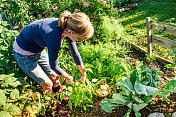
146, 81
133, 77
125, 91
76, 102
137, 99
138, 107
3, 76
137, 114
145, 90
10, 81
138, 64
12, 109
4, 23
130, 105
170, 65
70, 104
15, 94
3, 97
146, 99
120, 99
84, 107
4, 114
128, 113
107, 106
171, 85
124, 82
164, 93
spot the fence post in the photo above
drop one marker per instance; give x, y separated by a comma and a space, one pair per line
149, 36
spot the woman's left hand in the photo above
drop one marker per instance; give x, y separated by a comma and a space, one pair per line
83, 78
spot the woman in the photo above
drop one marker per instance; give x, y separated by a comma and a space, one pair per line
41, 66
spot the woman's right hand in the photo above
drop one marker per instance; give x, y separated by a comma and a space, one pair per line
69, 80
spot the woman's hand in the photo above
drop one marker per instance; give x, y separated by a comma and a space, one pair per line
55, 79
83, 78
69, 80
83, 72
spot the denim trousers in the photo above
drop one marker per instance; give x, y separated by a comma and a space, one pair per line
35, 66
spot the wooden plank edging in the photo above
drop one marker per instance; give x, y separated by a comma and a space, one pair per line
161, 41
169, 29
158, 58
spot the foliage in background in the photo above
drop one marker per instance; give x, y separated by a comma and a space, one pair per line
7, 37
95, 9
121, 3
134, 22
23, 12
111, 29
17, 12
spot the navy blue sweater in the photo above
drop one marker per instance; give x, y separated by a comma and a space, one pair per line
45, 33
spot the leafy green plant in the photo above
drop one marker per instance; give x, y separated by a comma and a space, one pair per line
111, 29
137, 91
173, 65
7, 37
79, 95
9, 95
18, 98
104, 61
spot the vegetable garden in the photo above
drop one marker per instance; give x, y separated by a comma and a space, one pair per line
138, 84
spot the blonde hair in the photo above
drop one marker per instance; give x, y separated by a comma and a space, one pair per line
78, 22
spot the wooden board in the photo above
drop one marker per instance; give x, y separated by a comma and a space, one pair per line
169, 28
163, 41
158, 58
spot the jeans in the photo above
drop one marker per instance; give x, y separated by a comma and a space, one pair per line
35, 66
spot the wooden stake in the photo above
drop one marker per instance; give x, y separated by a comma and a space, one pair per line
149, 36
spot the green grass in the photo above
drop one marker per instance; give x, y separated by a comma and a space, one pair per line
134, 22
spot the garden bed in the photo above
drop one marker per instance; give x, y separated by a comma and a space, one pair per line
157, 104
